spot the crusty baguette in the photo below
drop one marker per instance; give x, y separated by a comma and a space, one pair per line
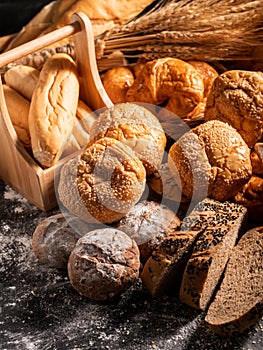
53, 108
18, 110
223, 223
238, 303
23, 79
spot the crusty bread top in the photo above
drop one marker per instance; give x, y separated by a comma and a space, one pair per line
53, 108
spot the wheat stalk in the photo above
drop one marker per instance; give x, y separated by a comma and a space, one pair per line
211, 30
201, 29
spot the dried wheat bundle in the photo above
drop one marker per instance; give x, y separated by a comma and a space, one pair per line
211, 30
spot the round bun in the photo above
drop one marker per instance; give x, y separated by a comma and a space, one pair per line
136, 127
236, 98
251, 196
148, 223
53, 241
104, 263
211, 160
116, 82
103, 183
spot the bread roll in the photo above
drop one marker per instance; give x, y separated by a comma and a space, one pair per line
168, 79
236, 98
53, 240
148, 223
238, 303
222, 224
23, 79
251, 196
212, 160
136, 127
53, 108
18, 110
116, 82
105, 181
103, 264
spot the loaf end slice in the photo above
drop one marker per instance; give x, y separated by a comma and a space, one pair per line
163, 270
238, 304
223, 223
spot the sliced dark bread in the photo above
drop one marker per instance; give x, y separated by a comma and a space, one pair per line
164, 268
238, 303
223, 222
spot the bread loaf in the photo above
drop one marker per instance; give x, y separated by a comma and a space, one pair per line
211, 160
136, 127
53, 108
103, 264
148, 223
23, 79
222, 224
164, 269
232, 100
238, 303
107, 180
53, 240
18, 110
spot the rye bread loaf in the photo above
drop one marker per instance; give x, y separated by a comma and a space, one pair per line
238, 303
103, 264
223, 223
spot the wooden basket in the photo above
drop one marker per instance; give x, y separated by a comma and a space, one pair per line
17, 167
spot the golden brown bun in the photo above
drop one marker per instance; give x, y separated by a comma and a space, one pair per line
212, 160
207, 72
53, 108
251, 196
168, 79
236, 98
135, 126
23, 79
18, 110
116, 82
103, 14
103, 183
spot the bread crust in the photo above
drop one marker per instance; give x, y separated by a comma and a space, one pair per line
222, 224
53, 108
18, 110
232, 100
104, 263
136, 127
238, 303
212, 160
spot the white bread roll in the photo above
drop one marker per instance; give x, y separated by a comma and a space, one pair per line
53, 108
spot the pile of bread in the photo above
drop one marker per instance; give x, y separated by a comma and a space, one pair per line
124, 185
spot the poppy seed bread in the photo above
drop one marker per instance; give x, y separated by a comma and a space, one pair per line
223, 223
238, 303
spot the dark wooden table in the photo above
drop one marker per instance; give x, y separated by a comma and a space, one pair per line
39, 310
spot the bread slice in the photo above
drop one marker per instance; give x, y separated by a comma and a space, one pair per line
238, 304
163, 270
223, 223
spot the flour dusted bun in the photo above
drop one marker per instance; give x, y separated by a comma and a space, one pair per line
103, 264
212, 160
53, 108
232, 100
53, 241
238, 303
148, 223
135, 126
103, 183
